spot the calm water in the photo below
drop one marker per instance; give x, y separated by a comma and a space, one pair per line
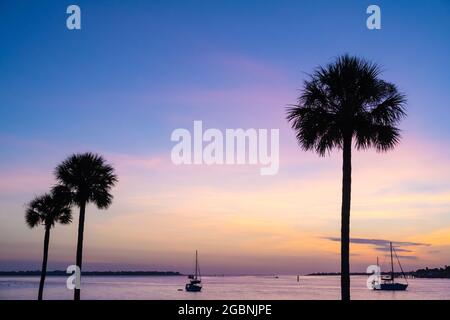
239, 287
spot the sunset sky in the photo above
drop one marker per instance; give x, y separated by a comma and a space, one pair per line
140, 69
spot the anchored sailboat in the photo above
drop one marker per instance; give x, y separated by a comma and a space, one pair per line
195, 280
389, 281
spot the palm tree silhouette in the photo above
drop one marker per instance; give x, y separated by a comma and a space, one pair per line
89, 179
342, 104
47, 210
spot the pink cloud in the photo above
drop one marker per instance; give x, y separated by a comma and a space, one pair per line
24, 181
250, 66
123, 161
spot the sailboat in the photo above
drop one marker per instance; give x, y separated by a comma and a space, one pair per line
194, 284
389, 283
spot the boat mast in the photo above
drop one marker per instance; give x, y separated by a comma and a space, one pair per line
400, 265
392, 264
196, 265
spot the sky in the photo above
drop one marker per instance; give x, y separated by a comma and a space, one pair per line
137, 70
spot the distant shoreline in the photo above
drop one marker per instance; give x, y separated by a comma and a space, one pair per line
428, 273
92, 273
436, 273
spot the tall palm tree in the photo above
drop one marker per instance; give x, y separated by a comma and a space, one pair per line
47, 210
89, 179
342, 105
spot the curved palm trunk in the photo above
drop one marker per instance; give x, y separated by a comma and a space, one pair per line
345, 218
44, 262
80, 246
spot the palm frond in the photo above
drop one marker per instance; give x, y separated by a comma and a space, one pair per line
32, 218
347, 96
88, 178
47, 210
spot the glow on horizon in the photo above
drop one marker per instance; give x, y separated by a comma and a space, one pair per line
234, 219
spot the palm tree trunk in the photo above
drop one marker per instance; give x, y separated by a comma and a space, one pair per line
345, 217
44, 262
80, 246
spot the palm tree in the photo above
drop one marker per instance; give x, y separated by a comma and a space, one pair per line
342, 105
89, 179
47, 210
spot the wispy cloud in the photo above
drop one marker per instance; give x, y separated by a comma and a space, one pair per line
25, 180
407, 257
380, 242
385, 249
383, 245
239, 65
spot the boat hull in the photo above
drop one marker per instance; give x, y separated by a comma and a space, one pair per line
392, 287
193, 287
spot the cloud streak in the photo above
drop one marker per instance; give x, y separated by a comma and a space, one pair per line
379, 242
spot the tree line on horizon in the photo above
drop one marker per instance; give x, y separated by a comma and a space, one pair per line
81, 179
92, 273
